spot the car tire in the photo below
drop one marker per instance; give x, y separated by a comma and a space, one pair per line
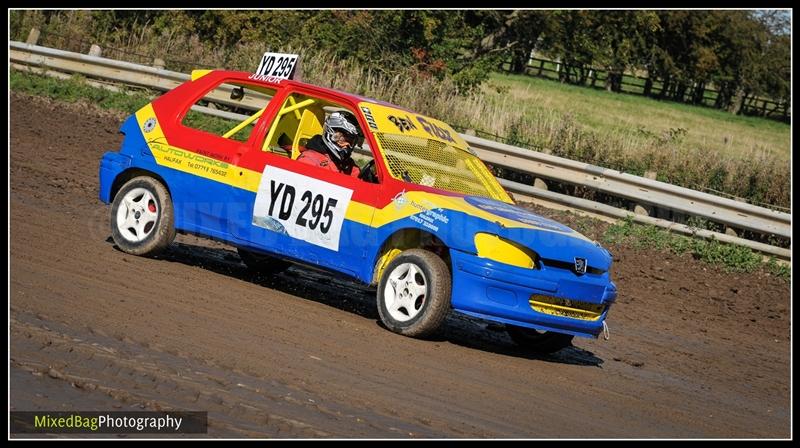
142, 217
543, 342
414, 293
262, 264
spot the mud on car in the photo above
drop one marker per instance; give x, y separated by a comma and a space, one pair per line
426, 223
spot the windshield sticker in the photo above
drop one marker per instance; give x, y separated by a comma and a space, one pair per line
393, 120
434, 130
369, 117
403, 124
514, 213
427, 180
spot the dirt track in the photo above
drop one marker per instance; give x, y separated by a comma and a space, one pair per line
694, 352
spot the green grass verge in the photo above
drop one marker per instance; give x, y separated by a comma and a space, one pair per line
732, 258
127, 101
216, 125
601, 110
76, 89
694, 147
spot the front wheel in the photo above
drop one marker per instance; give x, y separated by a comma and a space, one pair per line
414, 293
538, 341
142, 218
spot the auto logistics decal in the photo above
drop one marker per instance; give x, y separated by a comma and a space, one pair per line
300, 206
509, 211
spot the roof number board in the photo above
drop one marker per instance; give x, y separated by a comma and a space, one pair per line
278, 65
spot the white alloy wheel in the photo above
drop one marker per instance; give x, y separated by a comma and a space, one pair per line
137, 215
142, 217
414, 293
405, 292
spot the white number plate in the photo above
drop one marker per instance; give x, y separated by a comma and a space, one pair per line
302, 207
279, 65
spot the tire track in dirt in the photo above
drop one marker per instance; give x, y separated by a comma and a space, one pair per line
142, 377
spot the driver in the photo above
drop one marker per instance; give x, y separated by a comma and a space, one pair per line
332, 149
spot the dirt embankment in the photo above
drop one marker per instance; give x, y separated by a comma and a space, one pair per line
694, 351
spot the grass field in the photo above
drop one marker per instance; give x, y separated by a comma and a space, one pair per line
694, 147
632, 117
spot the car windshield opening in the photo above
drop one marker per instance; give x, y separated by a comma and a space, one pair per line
436, 164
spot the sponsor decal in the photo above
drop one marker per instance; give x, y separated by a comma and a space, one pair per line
196, 163
403, 123
429, 215
269, 223
434, 130
399, 200
149, 125
265, 78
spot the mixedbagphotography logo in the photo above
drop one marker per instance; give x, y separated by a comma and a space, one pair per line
96, 422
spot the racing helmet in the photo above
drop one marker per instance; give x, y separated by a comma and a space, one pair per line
347, 124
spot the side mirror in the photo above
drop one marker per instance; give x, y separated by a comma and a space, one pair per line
237, 93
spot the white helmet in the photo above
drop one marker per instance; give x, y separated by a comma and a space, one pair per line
345, 123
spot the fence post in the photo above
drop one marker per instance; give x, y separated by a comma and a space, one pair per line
643, 209
159, 63
539, 183
95, 50
731, 230
33, 36
648, 86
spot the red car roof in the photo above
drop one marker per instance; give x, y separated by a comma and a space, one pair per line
268, 81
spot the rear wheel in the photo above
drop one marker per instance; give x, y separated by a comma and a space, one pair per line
142, 220
414, 293
262, 264
538, 341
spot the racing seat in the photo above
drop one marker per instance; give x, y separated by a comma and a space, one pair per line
310, 125
280, 136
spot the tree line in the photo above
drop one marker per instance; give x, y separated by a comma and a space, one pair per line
741, 53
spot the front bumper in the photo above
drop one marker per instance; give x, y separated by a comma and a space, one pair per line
499, 292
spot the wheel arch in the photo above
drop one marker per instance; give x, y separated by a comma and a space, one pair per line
404, 239
129, 174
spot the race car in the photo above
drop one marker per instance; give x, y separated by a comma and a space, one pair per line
425, 223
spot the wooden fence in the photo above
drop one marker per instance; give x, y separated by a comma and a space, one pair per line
638, 85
